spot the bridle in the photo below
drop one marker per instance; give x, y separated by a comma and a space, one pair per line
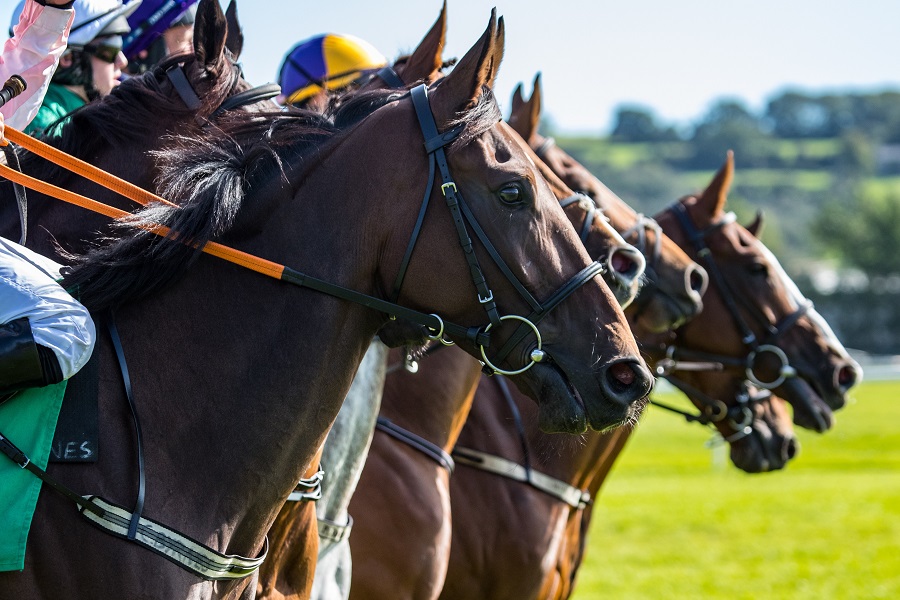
755, 388
463, 216
182, 85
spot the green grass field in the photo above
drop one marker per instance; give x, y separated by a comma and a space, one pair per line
676, 520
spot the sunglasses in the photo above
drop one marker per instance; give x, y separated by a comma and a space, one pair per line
104, 52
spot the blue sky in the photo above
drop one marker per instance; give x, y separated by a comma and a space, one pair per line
672, 56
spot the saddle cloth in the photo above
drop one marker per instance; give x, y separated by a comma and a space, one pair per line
28, 420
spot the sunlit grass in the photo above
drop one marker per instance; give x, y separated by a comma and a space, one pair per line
677, 521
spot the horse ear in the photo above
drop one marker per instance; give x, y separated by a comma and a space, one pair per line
526, 114
234, 41
534, 106
499, 44
427, 58
517, 112
716, 193
462, 88
756, 226
210, 30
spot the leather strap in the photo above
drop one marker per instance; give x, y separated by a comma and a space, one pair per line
183, 87
498, 465
434, 145
432, 451
129, 394
189, 554
390, 77
333, 531
251, 96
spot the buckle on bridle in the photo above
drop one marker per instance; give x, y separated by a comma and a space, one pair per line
447, 185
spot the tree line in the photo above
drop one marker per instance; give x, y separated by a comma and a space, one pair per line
825, 169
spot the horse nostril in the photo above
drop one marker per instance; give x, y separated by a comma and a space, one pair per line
697, 279
622, 374
621, 263
847, 377
791, 448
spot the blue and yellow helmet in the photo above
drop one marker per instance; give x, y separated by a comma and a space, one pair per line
328, 61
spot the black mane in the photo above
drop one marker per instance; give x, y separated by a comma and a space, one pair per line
209, 177
127, 114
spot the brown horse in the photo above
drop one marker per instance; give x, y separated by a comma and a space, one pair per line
677, 283
756, 452
282, 577
542, 533
411, 560
214, 470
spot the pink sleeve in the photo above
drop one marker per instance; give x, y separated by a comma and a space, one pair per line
33, 52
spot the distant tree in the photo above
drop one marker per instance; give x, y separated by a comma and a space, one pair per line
637, 124
864, 233
798, 115
728, 125
856, 156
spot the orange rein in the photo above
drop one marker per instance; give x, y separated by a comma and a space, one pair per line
121, 187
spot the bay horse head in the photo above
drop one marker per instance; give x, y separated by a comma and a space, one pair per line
673, 283
759, 329
511, 184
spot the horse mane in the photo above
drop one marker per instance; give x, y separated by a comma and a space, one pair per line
129, 112
209, 177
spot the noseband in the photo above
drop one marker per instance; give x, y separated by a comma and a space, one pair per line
463, 219
682, 359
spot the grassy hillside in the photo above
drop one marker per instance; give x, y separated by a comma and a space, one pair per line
675, 520
803, 176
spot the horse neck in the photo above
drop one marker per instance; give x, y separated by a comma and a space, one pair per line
264, 377
52, 222
434, 402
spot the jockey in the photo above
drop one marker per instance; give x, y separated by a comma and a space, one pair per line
92, 63
323, 63
45, 335
168, 38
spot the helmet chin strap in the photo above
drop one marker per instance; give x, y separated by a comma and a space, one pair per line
79, 73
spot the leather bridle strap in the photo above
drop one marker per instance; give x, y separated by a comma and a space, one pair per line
390, 77
698, 240
251, 96
183, 87
429, 449
580, 278
592, 210
434, 146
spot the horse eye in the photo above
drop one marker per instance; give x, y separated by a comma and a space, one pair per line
758, 268
510, 195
